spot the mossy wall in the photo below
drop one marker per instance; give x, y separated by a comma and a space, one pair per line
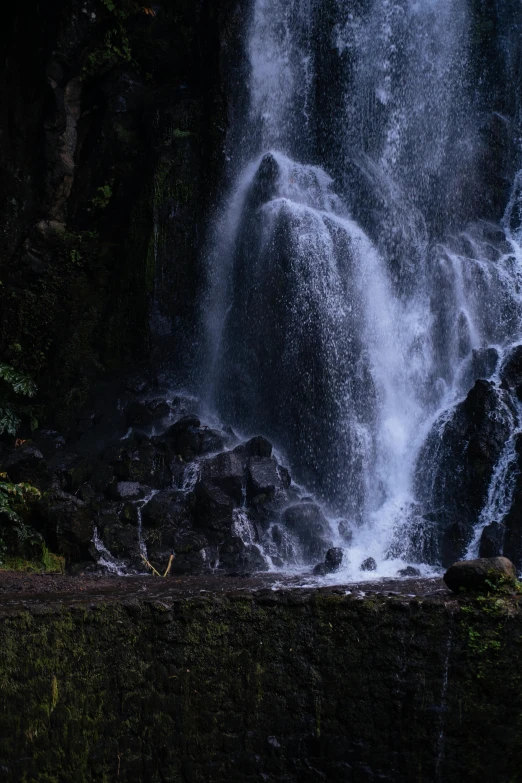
263, 687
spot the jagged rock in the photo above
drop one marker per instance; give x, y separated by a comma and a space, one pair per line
492, 540
308, 524
167, 511
455, 468
189, 440
368, 565
262, 478
213, 511
236, 556
284, 475
346, 531
139, 459
71, 522
409, 571
23, 463
480, 575
224, 471
332, 562
511, 371
258, 447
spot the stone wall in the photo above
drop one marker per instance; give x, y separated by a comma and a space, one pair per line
289, 686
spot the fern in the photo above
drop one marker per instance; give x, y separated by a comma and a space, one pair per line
18, 381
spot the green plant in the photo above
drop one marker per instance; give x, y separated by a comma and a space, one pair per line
14, 383
103, 197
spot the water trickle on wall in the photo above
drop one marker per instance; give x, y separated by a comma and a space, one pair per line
356, 292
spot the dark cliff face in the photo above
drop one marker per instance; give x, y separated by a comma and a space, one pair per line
113, 124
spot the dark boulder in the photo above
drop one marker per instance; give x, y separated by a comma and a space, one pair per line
492, 540
224, 471
482, 575
24, 463
308, 524
141, 460
166, 512
69, 521
454, 470
262, 478
368, 565
237, 557
213, 511
409, 571
332, 562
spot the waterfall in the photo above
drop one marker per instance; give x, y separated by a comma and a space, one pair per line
359, 278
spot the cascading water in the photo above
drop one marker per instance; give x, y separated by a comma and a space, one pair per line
360, 280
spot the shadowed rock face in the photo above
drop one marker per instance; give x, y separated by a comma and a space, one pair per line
456, 466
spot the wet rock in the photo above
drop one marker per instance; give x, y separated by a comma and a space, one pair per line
71, 523
258, 447
332, 562
308, 524
166, 512
262, 478
224, 471
346, 531
455, 468
23, 463
142, 460
213, 511
480, 575
334, 559
125, 490
368, 565
409, 571
236, 556
492, 540
511, 371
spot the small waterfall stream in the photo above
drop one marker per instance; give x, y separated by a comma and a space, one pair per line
359, 283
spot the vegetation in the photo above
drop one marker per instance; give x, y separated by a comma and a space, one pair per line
14, 384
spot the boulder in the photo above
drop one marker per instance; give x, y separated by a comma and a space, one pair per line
454, 470
213, 511
309, 526
262, 478
409, 571
482, 575
139, 459
70, 521
144, 414
167, 511
492, 540
224, 471
368, 565
23, 464
332, 562
237, 557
